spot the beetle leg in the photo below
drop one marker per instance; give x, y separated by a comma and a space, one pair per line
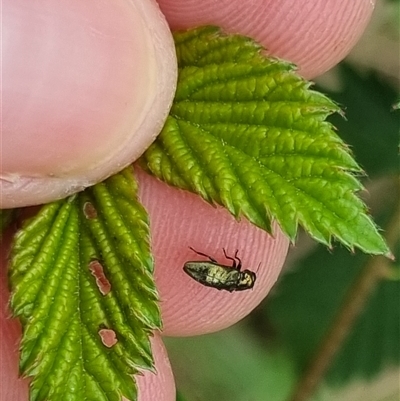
234, 266
239, 266
203, 254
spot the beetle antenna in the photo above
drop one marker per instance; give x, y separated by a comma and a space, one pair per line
258, 267
203, 254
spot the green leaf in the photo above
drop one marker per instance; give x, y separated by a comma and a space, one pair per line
247, 133
80, 269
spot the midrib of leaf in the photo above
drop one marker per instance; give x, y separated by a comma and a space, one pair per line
247, 133
61, 306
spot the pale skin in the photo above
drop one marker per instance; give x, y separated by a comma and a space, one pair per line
119, 95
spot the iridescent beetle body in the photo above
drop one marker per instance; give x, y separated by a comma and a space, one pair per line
222, 277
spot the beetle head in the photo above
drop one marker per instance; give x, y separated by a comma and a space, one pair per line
247, 280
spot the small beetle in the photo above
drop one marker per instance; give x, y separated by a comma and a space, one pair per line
221, 277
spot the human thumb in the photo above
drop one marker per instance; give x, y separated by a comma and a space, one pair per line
87, 86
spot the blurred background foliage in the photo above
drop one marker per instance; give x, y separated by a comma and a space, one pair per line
264, 357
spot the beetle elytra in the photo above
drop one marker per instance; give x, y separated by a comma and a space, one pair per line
213, 274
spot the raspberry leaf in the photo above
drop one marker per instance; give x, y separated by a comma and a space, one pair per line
82, 286
246, 132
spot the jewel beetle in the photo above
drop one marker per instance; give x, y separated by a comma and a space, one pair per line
222, 277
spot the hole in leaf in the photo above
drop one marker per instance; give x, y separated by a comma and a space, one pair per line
108, 337
89, 211
102, 282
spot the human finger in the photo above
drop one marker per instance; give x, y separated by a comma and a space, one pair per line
179, 220
314, 34
87, 86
